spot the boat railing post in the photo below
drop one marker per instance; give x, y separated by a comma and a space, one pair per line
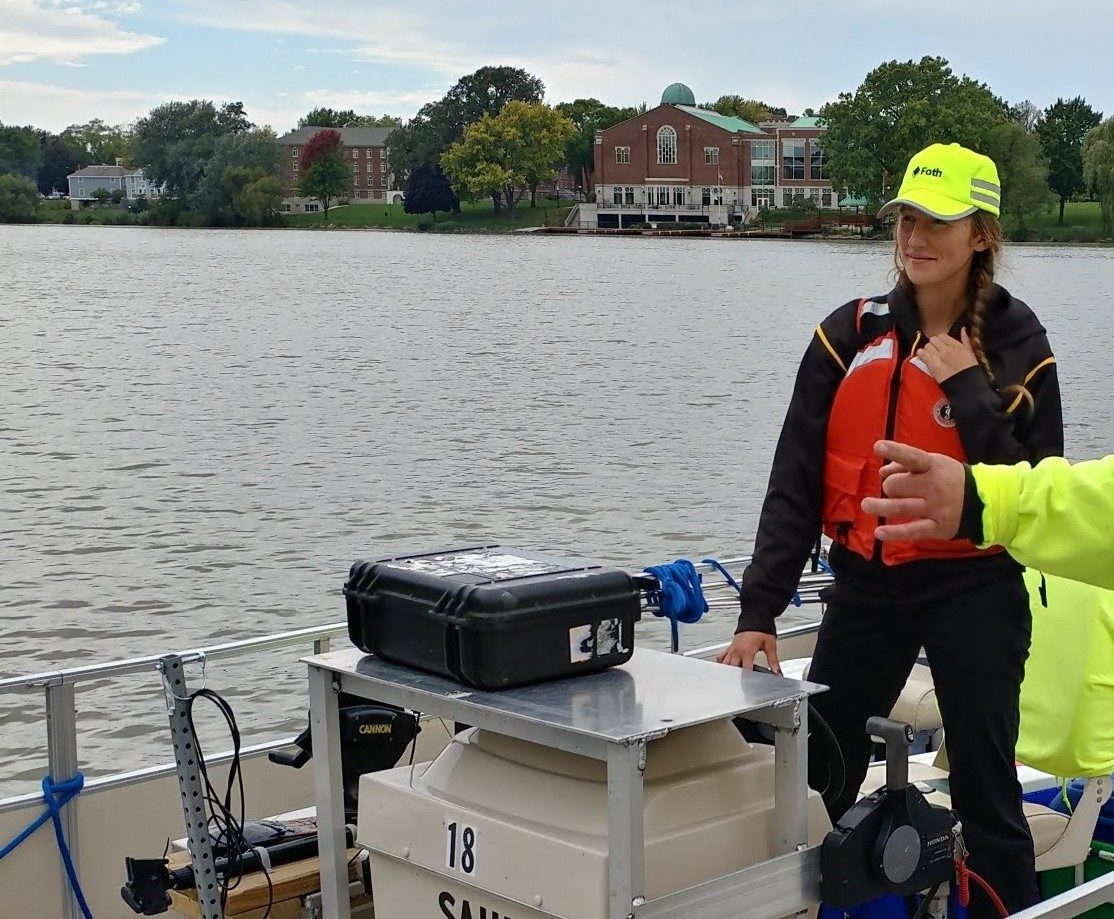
188, 761
61, 752
322, 645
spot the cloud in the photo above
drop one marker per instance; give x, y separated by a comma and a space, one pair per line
55, 107
388, 102
384, 35
64, 33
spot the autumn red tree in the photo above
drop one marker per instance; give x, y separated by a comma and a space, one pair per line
325, 171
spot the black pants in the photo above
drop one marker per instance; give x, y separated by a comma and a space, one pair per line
976, 644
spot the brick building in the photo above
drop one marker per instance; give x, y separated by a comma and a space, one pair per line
366, 151
680, 163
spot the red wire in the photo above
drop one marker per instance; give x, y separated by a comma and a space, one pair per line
964, 874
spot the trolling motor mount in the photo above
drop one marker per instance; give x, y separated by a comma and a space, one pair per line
892, 841
373, 736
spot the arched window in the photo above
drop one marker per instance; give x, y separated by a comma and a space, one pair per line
667, 146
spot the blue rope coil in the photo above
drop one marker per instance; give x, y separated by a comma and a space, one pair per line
679, 596
56, 795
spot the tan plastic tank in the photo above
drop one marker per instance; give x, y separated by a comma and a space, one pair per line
498, 828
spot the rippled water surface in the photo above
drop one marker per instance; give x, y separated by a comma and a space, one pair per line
201, 430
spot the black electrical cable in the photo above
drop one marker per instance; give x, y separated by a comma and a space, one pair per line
926, 901
227, 822
838, 780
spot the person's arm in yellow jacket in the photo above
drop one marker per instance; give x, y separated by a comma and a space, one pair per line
1055, 516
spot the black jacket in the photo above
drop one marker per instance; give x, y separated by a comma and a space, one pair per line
1015, 343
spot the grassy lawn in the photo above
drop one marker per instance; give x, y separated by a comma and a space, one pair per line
475, 215
1081, 221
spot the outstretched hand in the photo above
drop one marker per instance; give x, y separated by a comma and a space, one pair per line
926, 487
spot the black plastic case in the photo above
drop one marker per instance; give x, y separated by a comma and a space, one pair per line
492, 616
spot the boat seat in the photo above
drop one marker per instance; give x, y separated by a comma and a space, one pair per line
1059, 841
915, 706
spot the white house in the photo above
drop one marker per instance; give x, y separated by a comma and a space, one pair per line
85, 182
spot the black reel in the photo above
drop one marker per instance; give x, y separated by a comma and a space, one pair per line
373, 737
892, 841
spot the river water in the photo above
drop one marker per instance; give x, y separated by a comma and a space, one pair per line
201, 430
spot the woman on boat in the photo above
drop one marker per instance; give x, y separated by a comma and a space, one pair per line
950, 362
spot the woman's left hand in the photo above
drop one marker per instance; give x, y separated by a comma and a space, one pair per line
945, 357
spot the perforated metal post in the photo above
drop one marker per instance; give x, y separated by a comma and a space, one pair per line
193, 791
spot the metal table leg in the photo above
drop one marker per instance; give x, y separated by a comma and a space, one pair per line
324, 722
625, 832
791, 779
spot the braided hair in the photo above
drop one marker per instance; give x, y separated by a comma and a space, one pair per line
980, 289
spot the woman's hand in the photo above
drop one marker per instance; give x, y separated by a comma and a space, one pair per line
945, 357
743, 647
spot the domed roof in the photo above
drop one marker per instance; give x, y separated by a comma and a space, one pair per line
677, 94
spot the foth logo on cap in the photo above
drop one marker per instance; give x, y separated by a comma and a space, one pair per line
936, 173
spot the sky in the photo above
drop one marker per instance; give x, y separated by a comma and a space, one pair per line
67, 61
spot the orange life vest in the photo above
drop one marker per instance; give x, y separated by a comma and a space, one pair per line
883, 397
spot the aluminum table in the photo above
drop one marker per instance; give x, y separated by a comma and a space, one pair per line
610, 716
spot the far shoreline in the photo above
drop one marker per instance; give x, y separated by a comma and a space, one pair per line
536, 231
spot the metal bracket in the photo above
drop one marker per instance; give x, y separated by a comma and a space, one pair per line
187, 760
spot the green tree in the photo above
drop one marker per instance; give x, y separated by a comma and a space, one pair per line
326, 173
1027, 114
257, 150
1098, 170
752, 110
588, 116
1022, 170
59, 160
260, 199
19, 199
505, 153
20, 153
901, 107
345, 118
97, 143
1065, 125
438, 125
101, 196
118, 195
175, 141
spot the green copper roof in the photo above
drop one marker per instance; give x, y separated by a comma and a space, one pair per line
854, 202
807, 122
727, 122
677, 94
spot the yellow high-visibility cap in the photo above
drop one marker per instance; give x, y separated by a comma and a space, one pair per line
949, 182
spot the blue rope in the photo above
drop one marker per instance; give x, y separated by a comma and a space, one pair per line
56, 796
679, 596
726, 574
735, 584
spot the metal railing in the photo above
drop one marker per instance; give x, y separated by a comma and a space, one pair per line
60, 686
